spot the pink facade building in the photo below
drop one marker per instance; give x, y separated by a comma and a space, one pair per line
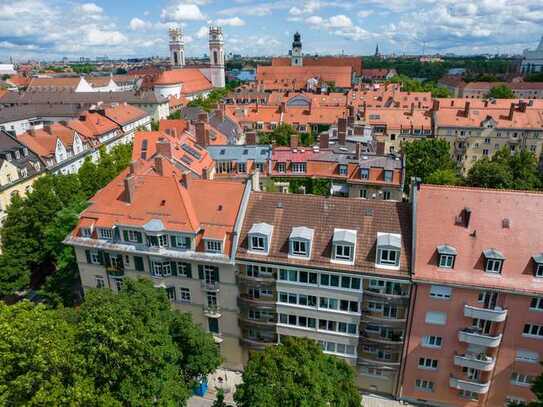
476, 327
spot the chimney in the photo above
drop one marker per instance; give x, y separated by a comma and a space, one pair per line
255, 181
186, 179
358, 151
205, 173
323, 140
412, 109
282, 107
435, 106
294, 140
130, 188
134, 167
467, 217
350, 109
511, 112
159, 166
342, 130
466, 109
522, 105
202, 117
164, 148
250, 138
201, 134
221, 111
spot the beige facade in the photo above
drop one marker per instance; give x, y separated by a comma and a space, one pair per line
9, 188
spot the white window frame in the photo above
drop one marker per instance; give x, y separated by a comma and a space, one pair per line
132, 235
424, 385
94, 257
106, 233
100, 282
343, 169
538, 302
430, 341
299, 251
385, 260
86, 232
213, 246
526, 356
520, 379
162, 240
539, 270
185, 295
440, 292
342, 248
495, 266
259, 239
446, 261
428, 363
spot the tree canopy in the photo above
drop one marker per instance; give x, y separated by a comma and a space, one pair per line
412, 85
537, 389
500, 92
116, 349
297, 373
279, 136
33, 255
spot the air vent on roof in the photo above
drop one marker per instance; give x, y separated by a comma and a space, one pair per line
506, 223
280, 205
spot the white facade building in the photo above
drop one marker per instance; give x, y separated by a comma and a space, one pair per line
533, 60
177, 47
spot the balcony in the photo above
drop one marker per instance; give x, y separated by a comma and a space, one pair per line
495, 315
258, 342
368, 358
485, 363
394, 297
212, 311
373, 317
469, 385
257, 302
210, 285
474, 337
115, 271
261, 322
395, 339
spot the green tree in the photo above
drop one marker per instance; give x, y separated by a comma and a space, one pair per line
500, 92
489, 174
425, 157
537, 389
219, 401
444, 177
279, 136
88, 176
297, 373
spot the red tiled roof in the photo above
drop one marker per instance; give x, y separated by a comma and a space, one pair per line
437, 209
395, 118
43, 141
354, 62
124, 113
91, 125
296, 77
193, 80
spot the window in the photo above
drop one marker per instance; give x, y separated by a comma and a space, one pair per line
432, 341
469, 395
388, 176
100, 282
446, 261
539, 269
364, 193
281, 167
386, 195
85, 232
493, 265
533, 330
213, 325
371, 371
163, 240
439, 291
298, 167
364, 173
388, 257
170, 292
161, 268
343, 251
436, 318
118, 283
184, 295
94, 257
514, 400
138, 263
521, 379
424, 385
133, 236
537, 304
375, 306
213, 246
105, 233
258, 243
527, 356
427, 363
181, 242
299, 248
242, 167
342, 170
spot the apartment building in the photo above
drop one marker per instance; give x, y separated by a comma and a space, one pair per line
476, 324
154, 221
331, 269
480, 131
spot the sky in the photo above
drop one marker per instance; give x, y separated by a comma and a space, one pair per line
52, 29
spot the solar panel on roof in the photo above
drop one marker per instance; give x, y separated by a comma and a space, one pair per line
192, 151
186, 159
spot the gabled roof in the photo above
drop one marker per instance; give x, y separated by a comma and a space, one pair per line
296, 77
92, 125
193, 80
43, 141
123, 113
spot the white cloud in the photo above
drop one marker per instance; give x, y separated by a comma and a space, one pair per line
314, 20
295, 11
202, 32
91, 8
182, 12
364, 13
233, 22
339, 25
340, 21
137, 24
98, 37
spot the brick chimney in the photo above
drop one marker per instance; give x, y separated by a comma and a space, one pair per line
250, 138
134, 167
435, 106
342, 130
202, 117
130, 188
294, 140
412, 109
511, 112
205, 173
466, 109
159, 165
164, 148
282, 107
186, 180
522, 105
323, 140
201, 134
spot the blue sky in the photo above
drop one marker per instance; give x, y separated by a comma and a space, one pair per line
48, 29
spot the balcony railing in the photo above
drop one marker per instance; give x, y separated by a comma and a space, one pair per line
396, 339
259, 343
116, 271
495, 315
262, 322
213, 311
469, 385
475, 337
210, 285
372, 316
484, 363
258, 302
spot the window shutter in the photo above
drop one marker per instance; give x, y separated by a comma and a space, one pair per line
187, 242
87, 253
100, 257
139, 237
216, 274
106, 259
138, 263
125, 235
200, 272
173, 266
188, 267
174, 241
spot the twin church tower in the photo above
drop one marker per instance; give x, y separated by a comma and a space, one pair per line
216, 53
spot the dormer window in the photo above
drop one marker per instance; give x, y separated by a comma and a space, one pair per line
106, 234
86, 232
388, 176
213, 246
343, 245
281, 167
493, 261
364, 173
342, 169
446, 256
388, 249
538, 265
259, 238
300, 241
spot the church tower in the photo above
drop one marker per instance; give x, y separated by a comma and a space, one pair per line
177, 48
216, 57
296, 58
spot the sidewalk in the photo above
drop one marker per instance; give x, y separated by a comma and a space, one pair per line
223, 379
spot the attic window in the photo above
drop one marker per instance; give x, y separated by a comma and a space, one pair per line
214, 246
538, 265
85, 232
344, 242
300, 241
493, 261
259, 238
388, 249
447, 256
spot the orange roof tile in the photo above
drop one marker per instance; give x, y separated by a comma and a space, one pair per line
396, 118
43, 141
193, 80
296, 77
354, 62
92, 125
124, 113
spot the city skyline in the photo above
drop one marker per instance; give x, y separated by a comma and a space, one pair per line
37, 29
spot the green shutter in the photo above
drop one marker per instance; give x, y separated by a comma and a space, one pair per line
216, 274
106, 259
139, 237
100, 257
173, 240
173, 265
125, 235
189, 270
187, 242
138, 263
87, 253
200, 272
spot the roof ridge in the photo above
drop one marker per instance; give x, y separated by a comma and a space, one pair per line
494, 190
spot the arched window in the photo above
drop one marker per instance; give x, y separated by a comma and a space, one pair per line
215, 62
175, 58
